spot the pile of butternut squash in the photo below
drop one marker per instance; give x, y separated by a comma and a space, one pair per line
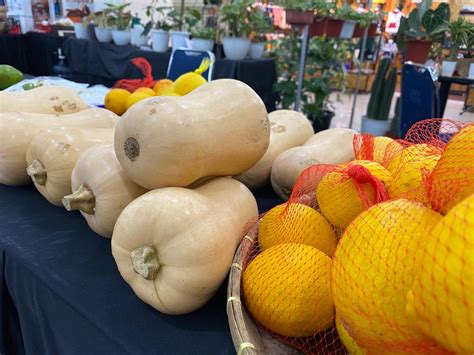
158, 180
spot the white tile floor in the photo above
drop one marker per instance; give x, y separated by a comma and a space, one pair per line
344, 105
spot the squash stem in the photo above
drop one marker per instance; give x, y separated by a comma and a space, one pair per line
83, 199
145, 262
37, 172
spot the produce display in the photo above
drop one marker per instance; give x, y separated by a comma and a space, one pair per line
55, 100
17, 129
333, 146
219, 129
53, 153
288, 129
100, 189
174, 246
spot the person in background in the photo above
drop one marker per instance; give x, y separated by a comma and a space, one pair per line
3, 18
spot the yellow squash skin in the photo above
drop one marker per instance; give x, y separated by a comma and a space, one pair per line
18, 129
190, 237
220, 129
288, 129
45, 99
53, 154
101, 189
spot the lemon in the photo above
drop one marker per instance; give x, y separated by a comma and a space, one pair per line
408, 170
163, 86
373, 269
136, 97
187, 83
453, 176
116, 99
338, 197
346, 339
286, 288
385, 149
296, 223
146, 91
442, 297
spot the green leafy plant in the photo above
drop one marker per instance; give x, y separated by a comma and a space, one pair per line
120, 18
235, 16
365, 19
382, 91
461, 33
159, 18
204, 32
347, 13
258, 24
102, 19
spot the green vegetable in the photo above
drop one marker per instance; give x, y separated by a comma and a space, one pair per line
9, 76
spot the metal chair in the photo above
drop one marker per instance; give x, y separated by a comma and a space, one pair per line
185, 60
419, 95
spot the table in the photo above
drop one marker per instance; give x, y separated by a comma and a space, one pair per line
445, 87
61, 292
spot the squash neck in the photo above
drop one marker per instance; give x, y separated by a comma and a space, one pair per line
37, 172
145, 262
83, 199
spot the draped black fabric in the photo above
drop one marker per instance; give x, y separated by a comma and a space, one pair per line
62, 292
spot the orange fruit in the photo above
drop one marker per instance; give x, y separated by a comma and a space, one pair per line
136, 97
116, 99
163, 86
146, 91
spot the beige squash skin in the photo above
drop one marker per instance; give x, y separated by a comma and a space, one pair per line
288, 129
45, 99
195, 234
331, 146
58, 150
220, 129
18, 129
111, 189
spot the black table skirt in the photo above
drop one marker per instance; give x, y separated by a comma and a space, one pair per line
61, 292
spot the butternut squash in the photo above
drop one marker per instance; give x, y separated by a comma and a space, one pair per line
53, 153
44, 99
174, 246
18, 129
219, 129
331, 146
288, 129
100, 189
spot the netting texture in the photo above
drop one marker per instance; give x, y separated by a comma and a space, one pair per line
372, 256
132, 84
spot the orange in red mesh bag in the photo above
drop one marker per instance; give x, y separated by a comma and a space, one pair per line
132, 84
452, 179
378, 149
350, 189
442, 297
373, 269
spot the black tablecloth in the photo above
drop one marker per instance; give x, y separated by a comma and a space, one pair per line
105, 63
61, 292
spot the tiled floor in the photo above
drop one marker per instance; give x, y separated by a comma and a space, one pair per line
344, 105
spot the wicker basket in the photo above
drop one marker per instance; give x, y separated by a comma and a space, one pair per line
247, 337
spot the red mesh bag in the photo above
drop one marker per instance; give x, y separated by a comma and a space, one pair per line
373, 256
132, 84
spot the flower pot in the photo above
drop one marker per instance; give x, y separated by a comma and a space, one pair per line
160, 40
348, 29
81, 31
202, 44
359, 31
178, 39
121, 38
295, 17
334, 27
417, 51
448, 67
256, 50
318, 27
236, 48
471, 71
323, 122
375, 127
136, 38
104, 35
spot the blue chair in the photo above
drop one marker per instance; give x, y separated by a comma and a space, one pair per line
184, 60
419, 96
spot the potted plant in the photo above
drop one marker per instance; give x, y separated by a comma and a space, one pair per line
461, 34
420, 32
364, 20
322, 12
259, 26
298, 12
376, 120
189, 19
350, 18
80, 20
137, 38
203, 38
102, 28
121, 21
159, 25
235, 16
